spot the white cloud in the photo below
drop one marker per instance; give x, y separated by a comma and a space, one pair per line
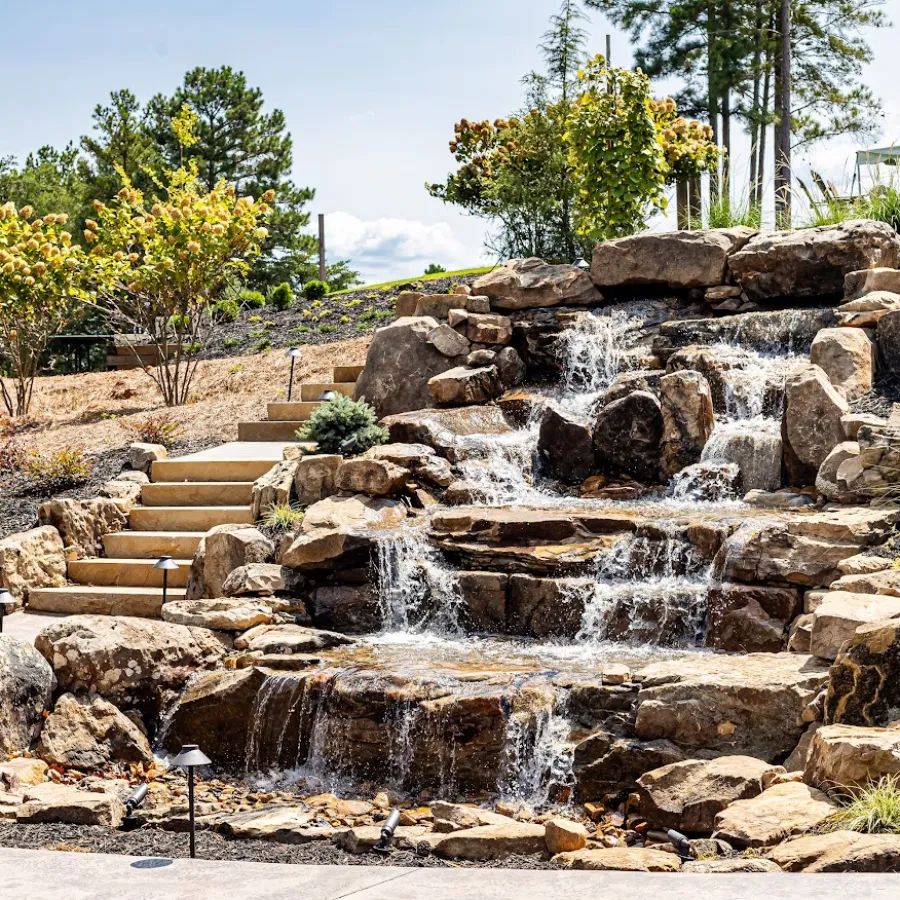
385, 249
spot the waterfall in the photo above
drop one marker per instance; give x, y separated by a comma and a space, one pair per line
417, 590
271, 720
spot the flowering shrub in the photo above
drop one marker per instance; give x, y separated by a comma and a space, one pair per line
43, 286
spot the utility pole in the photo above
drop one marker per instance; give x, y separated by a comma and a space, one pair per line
321, 247
783, 132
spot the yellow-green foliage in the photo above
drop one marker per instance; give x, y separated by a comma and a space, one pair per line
872, 809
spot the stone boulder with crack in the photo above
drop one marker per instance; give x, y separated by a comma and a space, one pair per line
840, 477
877, 278
82, 523
486, 842
461, 386
26, 686
865, 311
530, 283
399, 363
422, 460
688, 795
354, 511
89, 734
812, 262
315, 476
839, 851
274, 488
374, 477
749, 618
131, 662
70, 805
32, 559
223, 549
263, 580
677, 259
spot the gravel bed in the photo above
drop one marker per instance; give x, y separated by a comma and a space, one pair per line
20, 497
364, 309
153, 842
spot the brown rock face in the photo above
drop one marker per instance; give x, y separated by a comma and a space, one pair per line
865, 678
222, 550
130, 662
887, 337
314, 478
274, 488
619, 859
749, 618
565, 836
347, 608
326, 549
82, 523
847, 357
530, 283
89, 734
26, 686
375, 477
864, 281
839, 851
679, 259
32, 559
627, 435
840, 477
688, 419
462, 385
223, 614
420, 459
865, 311
484, 600
65, 804
605, 764
780, 812
565, 445
839, 615
688, 795
399, 364
486, 842
262, 580
812, 262
749, 705
849, 755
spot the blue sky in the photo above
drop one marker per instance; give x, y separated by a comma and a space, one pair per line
370, 91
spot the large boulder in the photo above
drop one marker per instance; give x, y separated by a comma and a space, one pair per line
440, 305
327, 549
840, 613
354, 511
812, 419
315, 476
865, 679
89, 733
461, 385
70, 805
420, 459
130, 662
565, 445
839, 851
743, 705
688, 419
676, 259
812, 262
274, 488
864, 312
849, 755
263, 580
749, 618
375, 477
876, 279
222, 550
688, 795
887, 337
757, 452
606, 764
627, 435
780, 812
847, 357
82, 523
488, 329
446, 430
32, 559
529, 283
399, 364
486, 842
26, 686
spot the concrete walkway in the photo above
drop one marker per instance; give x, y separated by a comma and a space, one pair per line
44, 875
26, 625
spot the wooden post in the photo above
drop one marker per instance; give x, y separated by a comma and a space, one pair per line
695, 202
682, 205
321, 247
783, 132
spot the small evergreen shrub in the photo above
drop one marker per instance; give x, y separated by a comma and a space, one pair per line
232, 342
340, 419
315, 289
226, 310
252, 299
282, 297
262, 346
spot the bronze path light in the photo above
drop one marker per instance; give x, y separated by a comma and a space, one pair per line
293, 354
167, 564
190, 757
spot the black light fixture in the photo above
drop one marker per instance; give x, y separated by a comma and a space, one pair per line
293, 354
6, 600
348, 446
167, 564
191, 756
327, 395
387, 832
582, 263
134, 800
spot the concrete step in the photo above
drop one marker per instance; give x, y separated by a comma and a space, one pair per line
197, 493
311, 390
297, 411
187, 518
269, 431
152, 544
144, 602
347, 373
207, 470
127, 573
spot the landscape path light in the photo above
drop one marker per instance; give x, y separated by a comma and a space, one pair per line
6, 601
327, 396
189, 758
387, 832
583, 264
167, 564
293, 354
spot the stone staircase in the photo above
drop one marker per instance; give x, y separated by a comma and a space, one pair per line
186, 497
285, 418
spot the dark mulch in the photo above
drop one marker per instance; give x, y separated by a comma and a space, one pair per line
20, 497
153, 842
365, 310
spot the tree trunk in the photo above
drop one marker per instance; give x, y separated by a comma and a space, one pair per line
682, 208
712, 87
725, 189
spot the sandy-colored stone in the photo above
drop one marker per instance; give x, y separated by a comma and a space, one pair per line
374, 477
839, 851
564, 835
71, 806
847, 755
32, 559
353, 512
82, 523
530, 283
222, 614
619, 859
847, 356
486, 842
840, 613
26, 687
222, 550
314, 478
